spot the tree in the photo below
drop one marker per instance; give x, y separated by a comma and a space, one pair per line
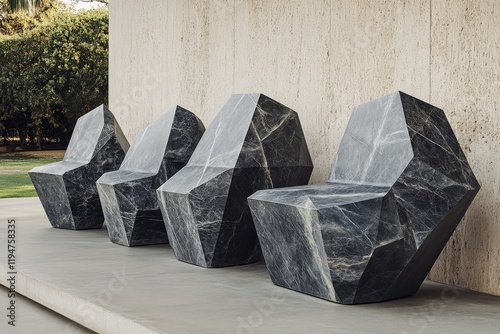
71, 77
29, 6
52, 74
20, 21
17, 58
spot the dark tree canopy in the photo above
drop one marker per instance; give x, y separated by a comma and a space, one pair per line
51, 72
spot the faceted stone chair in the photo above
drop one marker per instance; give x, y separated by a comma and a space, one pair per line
399, 187
128, 195
67, 188
253, 143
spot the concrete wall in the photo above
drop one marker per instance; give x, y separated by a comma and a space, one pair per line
321, 58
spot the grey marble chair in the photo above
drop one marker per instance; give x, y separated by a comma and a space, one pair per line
399, 186
67, 188
128, 197
253, 143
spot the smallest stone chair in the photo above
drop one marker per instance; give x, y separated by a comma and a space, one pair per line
128, 197
67, 188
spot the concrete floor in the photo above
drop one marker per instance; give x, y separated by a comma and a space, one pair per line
115, 289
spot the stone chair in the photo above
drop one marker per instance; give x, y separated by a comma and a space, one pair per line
253, 143
67, 188
128, 197
399, 187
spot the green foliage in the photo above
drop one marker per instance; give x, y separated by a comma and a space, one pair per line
19, 21
19, 55
52, 74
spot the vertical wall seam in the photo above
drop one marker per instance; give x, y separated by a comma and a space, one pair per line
430, 50
234, 45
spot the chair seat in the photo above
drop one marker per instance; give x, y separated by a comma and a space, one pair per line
57, 168
320, 196
123, 176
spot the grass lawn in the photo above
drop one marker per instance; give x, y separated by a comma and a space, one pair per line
14, 167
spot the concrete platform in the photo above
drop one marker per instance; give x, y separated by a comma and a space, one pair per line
34, 318
113, 289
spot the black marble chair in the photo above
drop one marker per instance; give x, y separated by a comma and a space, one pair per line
253, 143
399, 187
128, 197
67, 188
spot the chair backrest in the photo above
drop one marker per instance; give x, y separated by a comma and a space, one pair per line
93, 132
221, 143
376, 146
173, 136
252, 130
86, 135
148, 147
387, 135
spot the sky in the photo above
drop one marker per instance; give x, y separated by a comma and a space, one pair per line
83, 5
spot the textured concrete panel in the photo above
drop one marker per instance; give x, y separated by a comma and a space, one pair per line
321, 58
312, 56
466, 81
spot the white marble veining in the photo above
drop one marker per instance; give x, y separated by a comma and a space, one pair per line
375, 157
399, 186
128, 195
67, 188
253, 143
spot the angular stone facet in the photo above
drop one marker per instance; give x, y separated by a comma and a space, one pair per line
253, 143
128, 197
399, 187
67, 188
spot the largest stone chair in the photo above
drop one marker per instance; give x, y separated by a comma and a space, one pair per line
128, 195
67, 188
253, 143
399, 187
